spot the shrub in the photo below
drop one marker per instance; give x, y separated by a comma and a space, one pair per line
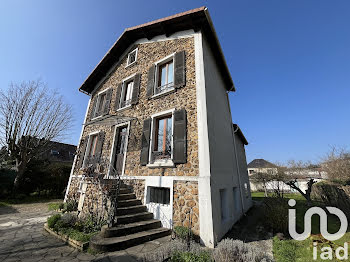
182, 232
70, 206
52, 220
166, 251
54, 206
235, 250
89, 224
190, 257
285, 250
69, 219
276, 214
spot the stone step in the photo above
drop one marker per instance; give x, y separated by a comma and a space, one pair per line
131, 210
99, 243
126, 196
130, 218
129, 202
125, 190
122, 230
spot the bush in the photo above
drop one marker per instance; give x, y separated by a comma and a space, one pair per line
70, 206
176, 246
182, 232
276, 214
69, 219
55, 206
52, 220
235, 250
190, 257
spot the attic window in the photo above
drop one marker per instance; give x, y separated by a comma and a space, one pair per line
132, 56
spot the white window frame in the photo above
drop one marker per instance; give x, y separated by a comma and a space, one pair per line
98, 103
161, 162
114, 143
89, 145
158, 64
127, 61
124, 81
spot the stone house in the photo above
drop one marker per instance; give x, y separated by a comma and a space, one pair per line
159, 112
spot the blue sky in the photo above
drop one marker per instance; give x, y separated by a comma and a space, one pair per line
290, 61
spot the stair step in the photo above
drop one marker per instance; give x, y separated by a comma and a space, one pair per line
122, 230
125, 190
99, 243
126, 196
131, 210
130, 218
129, 202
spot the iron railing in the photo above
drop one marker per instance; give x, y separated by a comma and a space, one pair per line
160, 155
100, 172
164, 88
125, 103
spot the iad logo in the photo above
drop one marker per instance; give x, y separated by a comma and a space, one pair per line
327, 252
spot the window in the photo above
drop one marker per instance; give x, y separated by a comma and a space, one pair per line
132, 57
160, 195
162, 138
127, 94
92, 146
251, 172
102, 103
165, 78
55, 152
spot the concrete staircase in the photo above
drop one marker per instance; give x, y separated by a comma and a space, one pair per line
135, 225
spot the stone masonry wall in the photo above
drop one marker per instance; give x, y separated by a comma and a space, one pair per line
138, 187
185, 199
148, 54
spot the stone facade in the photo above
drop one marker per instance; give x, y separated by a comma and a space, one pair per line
138, 186
185, 193
186, 204
183, 98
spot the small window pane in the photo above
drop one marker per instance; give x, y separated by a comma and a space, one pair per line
170, 73
160, 195
163, 75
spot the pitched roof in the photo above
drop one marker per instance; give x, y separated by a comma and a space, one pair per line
196, 19
260, 163
240, 133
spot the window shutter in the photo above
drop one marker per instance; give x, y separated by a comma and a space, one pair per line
151, 80
136, 89
100, 140
81, 153
179, 150
108, 101
117, 98
180, 69
145, 141
93, 109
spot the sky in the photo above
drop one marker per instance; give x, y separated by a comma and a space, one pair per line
289, 60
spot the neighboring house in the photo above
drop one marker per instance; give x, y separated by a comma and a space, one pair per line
59, 152
261, 166
159, 112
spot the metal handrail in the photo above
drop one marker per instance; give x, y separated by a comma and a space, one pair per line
97, 168
125, 103
163, 88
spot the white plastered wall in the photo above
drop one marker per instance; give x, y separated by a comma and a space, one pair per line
217, 158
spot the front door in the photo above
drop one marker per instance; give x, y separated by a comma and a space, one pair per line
122, 133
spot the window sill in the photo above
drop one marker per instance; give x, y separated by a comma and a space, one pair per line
164, 93
123, 108
161, 163
131, 65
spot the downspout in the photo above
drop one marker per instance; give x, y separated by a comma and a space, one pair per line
234, 146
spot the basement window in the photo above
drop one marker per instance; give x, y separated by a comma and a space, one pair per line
132, 57
159, 195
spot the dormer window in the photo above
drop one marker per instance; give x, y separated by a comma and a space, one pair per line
132, 57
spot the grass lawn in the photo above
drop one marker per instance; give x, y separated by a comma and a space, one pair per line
25, 200
302, 251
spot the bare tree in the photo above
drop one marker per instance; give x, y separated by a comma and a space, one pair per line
30, 117
262, 177
337, 164
298, 170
